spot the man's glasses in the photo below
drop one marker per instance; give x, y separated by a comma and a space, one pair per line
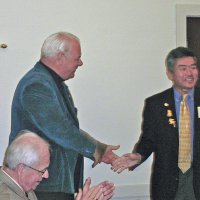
40, 171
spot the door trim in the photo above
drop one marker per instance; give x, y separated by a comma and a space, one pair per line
182, 12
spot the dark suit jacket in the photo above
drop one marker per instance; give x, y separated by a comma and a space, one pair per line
161, 137
39, 106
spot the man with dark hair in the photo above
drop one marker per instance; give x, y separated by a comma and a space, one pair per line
171, 130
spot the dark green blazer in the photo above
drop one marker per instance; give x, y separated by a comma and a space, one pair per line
39, 106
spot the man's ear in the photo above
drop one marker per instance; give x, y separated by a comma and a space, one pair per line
59, 56
170, 75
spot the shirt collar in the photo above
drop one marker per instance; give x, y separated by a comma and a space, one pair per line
12, 179
178, 96
55, 76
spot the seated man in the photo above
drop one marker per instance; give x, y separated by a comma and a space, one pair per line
26, 163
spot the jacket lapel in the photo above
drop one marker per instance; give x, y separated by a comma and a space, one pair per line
170, 100
70, 103
196, 110
12, 185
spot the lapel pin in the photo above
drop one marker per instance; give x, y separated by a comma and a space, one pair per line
169, 113
198, 110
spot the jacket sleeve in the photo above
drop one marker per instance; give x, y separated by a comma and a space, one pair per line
47, 110
99, 151
146, 143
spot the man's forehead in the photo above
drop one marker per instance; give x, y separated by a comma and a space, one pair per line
185, 61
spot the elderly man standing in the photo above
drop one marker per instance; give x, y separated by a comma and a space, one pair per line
42, 103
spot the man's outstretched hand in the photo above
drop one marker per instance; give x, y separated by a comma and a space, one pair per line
109, 156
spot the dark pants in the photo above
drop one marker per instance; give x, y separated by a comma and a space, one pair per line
185, 187
54, 196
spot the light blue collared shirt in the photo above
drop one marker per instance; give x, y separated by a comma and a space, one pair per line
190, 104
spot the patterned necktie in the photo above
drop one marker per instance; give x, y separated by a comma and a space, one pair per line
184, 159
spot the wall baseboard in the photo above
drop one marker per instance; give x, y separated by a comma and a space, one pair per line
132, 192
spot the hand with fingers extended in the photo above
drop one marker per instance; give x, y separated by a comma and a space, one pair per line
102, 191
109, 156
108, 189
126, 161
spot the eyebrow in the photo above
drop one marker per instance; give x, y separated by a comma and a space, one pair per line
182, 65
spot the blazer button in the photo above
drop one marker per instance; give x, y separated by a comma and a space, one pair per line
176, 179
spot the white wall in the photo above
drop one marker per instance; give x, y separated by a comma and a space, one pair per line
124, 44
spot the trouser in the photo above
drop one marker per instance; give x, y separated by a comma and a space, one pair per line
54, 196
185, 187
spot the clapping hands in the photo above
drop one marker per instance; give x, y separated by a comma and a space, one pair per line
102, 191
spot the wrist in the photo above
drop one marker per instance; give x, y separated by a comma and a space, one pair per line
139, 158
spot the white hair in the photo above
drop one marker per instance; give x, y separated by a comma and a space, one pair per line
24, 149
57, 42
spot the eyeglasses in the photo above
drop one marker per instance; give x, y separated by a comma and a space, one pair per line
40, 171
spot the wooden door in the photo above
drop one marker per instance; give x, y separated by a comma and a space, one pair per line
193, 37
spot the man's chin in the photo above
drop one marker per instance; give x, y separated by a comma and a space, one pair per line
34, 187
72, 75
190, 86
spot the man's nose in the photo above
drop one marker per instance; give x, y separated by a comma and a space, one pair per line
80, 62
46, 174
189, 71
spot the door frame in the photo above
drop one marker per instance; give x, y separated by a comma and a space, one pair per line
182, 12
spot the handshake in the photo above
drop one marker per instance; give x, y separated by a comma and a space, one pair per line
119, 164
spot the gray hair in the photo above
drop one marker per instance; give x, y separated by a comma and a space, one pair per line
57, 42
25, 149
179, 52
